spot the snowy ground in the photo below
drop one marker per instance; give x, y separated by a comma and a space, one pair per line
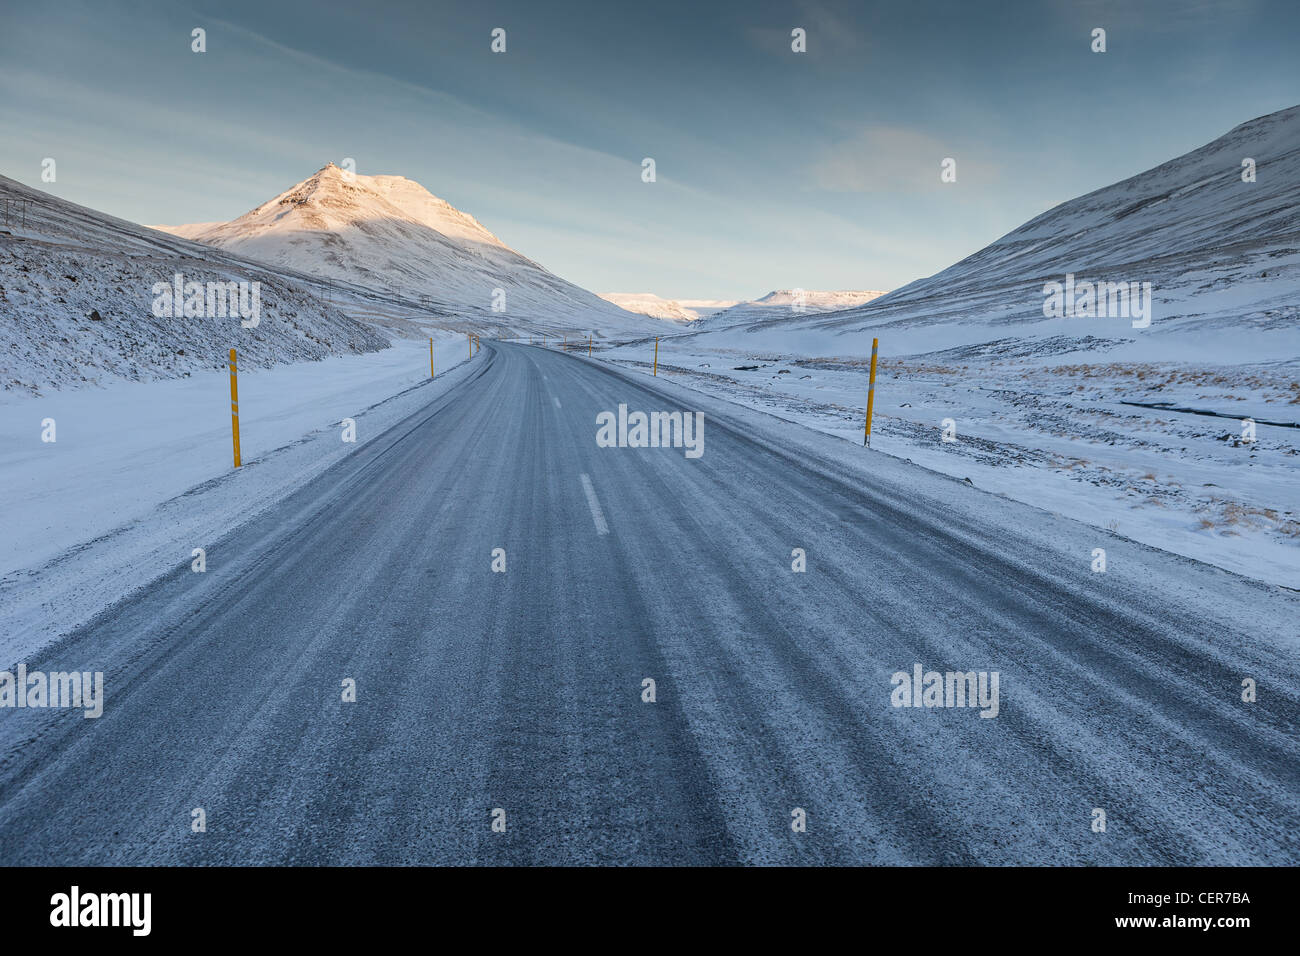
77, 297
140, 474
523, 689
1136, 430
1047, 421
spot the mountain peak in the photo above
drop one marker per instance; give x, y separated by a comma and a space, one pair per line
389, 233
333, 198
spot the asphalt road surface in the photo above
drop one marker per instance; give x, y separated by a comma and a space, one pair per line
522, 690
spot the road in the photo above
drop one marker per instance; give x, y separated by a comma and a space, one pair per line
523, 690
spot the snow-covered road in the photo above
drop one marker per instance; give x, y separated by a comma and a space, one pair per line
524, 690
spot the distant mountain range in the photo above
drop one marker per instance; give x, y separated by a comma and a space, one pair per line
1214, 233
791, 301
674, 310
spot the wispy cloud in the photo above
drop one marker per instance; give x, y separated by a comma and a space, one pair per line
894, 159
829, 32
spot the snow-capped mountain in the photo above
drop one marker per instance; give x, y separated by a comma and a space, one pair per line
388, 233
673, 310
647, 303
77, 298
818, 300
784, 303
706, 307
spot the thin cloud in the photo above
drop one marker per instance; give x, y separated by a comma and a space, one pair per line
893, 159
828, 33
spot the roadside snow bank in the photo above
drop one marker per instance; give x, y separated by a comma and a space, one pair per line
140, 474
1067, 426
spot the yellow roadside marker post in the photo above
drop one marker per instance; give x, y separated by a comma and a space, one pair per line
656, 371
871, 391
431, 356
234, 407
588, 345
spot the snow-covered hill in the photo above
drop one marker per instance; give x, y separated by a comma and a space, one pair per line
77, 302
720, 312
1222, 254
706, 307
389, 234
1184, 434
647, 303
786, 303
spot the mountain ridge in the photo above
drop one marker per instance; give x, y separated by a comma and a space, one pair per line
388, 232
1219, 251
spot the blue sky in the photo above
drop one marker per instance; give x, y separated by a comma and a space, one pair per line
817, 170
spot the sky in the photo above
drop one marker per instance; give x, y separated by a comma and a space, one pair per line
774, 169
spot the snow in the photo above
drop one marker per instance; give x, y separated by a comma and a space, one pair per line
389, 234
787, 303
76, 302
647, 303
819, 300
724, 311
142, 473
1135, 431
706, 307
1177, 481
77, 286
1053, 411
1053, 430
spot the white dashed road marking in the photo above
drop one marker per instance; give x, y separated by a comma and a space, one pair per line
597, 515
